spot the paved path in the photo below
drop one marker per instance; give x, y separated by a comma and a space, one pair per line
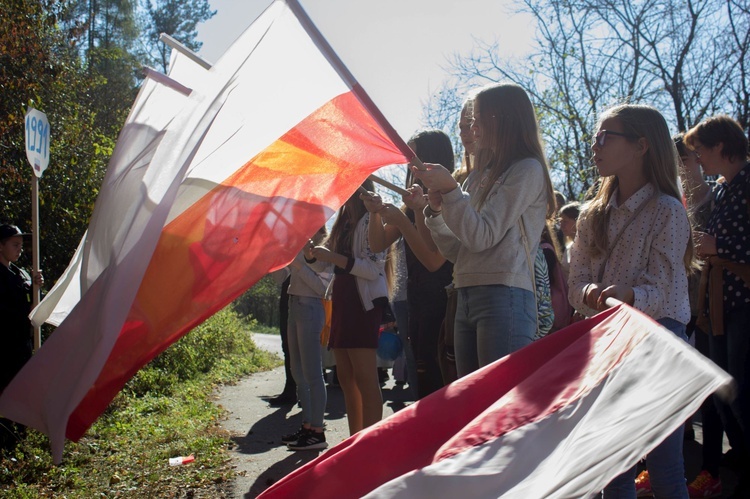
256, 428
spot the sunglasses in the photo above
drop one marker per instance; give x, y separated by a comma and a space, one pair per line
601, 137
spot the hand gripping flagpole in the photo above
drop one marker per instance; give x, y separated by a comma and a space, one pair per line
389, 185
357, 90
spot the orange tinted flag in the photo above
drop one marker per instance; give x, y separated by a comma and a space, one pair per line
269, 143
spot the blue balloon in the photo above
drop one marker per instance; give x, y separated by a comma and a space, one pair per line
389, 345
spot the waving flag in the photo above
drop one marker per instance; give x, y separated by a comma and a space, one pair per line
559, 418
268, 144
122, 207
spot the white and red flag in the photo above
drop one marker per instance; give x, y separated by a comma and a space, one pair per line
559, 418
217, 189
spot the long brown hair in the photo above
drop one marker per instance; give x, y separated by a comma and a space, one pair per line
510, 133
432, 146
468, 158
660, 167
340, 240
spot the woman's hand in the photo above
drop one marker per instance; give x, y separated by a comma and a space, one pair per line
705, 244
322, 253
591, 295
416, 199
618, 292
37, 278
435, 200
373, 202
435, 178
393, 216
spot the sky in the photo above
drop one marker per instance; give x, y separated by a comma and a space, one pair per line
396, 49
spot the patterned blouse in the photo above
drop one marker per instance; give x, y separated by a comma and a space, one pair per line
648, 257
730, 225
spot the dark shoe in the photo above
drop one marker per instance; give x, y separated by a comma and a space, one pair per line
294, 437
312, 440
382, 375
282, 400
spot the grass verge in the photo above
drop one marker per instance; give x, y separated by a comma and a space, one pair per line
165, 411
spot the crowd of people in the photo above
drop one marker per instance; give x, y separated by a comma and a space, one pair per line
483, 259
495, 259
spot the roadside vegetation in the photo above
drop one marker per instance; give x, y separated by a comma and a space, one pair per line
165, 411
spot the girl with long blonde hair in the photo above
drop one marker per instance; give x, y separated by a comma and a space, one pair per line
490, 226
634, 244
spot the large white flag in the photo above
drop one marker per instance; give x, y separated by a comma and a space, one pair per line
269, 143
559, 418
117, 221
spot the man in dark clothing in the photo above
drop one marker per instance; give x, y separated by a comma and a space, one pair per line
15, 305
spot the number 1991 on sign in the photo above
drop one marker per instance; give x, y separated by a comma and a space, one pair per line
37, 140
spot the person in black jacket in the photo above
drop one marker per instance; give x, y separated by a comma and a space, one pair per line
15, 305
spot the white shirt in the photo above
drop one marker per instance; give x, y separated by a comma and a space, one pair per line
648, 256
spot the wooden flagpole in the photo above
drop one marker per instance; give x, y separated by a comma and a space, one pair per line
346, 75
389, 185
168, 40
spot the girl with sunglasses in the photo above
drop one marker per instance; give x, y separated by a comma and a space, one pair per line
634, 244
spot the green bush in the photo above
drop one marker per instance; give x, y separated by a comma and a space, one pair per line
166, 410
195, 353
261, 302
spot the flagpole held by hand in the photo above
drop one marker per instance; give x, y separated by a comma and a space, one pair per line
347, 76
389, 185
612, 302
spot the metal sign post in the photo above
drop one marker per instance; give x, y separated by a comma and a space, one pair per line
37, 152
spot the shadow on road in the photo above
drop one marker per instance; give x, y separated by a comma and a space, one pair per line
279, 470
263, 435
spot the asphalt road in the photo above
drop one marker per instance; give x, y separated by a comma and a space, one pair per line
256, 428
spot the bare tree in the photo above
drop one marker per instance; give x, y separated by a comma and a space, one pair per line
591, 54
738, 14
442, 112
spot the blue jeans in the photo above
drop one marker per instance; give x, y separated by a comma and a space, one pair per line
306, 320
666, 465
491, 322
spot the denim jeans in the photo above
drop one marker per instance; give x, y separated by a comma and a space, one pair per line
731, 352
491, 322
666, 465
306, 320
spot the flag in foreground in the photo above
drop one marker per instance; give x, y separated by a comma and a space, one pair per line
559, 418
217, 192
